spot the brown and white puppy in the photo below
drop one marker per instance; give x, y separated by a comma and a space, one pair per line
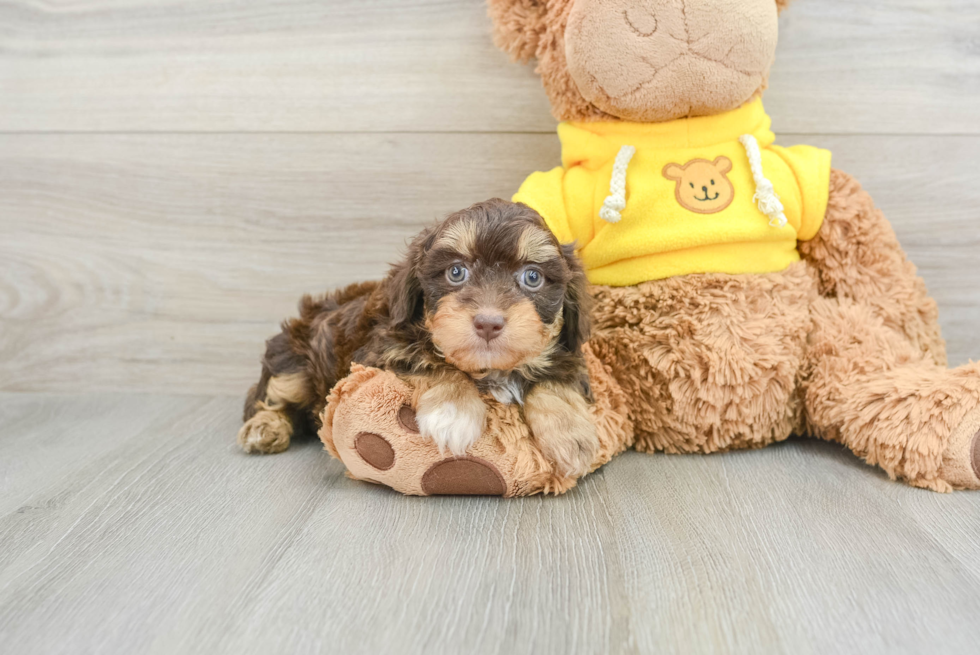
487, 301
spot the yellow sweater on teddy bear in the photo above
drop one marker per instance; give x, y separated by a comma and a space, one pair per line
647, 201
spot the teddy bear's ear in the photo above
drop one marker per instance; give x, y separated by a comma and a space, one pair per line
723, 165
673, 172
782, 4
518, 26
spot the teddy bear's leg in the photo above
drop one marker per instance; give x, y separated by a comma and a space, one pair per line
370, 425
856, 255
870, 387
709, 362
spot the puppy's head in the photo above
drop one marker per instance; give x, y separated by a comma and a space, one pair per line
494, 288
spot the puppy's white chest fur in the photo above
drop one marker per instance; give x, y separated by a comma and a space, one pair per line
505, 386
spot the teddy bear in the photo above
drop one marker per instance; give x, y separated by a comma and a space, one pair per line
744, 291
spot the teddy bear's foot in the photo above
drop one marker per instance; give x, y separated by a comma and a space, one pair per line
370, 425
961, 460
460, 476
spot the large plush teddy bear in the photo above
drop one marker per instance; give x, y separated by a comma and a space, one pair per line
744, 291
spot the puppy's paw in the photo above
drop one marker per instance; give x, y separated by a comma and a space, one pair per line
267, 432
451, 424
561, 425
572, 451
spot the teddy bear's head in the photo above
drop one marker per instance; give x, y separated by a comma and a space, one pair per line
642, 60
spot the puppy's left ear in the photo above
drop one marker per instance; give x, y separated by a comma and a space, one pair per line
405, 298
577, 310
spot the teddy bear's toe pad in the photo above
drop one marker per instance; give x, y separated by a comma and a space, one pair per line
463, 476
975, 454
960, 467
406, 418
375, 450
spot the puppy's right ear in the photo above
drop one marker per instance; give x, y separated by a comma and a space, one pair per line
577, 308
405, 298
518, 26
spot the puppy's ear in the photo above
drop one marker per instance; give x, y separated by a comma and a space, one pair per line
405, 297
518, 26
577, 310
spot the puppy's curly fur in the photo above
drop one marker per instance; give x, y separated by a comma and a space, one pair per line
485, 302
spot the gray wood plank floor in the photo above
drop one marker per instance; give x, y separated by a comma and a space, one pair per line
131, 524
174, 175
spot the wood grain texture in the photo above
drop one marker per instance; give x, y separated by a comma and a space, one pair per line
876, 66
160, 537
163, 262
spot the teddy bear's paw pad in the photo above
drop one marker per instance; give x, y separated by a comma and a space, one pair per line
975, 454
463, 476
960, 467
375, 450
406, 419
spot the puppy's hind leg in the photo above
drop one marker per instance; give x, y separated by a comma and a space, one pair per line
274, 403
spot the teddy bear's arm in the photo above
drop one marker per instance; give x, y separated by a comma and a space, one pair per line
856, 255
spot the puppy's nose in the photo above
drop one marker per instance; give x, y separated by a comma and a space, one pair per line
705, 189
488, 326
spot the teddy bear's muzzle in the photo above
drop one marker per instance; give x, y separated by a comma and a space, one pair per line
699, 57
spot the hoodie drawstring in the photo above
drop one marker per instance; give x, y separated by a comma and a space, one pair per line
765, 195
616, 201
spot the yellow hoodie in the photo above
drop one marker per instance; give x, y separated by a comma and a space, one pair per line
647, 201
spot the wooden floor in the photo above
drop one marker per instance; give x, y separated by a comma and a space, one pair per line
131, 524
174, 175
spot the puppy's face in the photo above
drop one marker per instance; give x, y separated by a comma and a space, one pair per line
497, 290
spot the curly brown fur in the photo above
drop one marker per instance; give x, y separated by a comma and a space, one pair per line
486, 301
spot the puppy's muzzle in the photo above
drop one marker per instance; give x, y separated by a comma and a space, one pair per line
488, 326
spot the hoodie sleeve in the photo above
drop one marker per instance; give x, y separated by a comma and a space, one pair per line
544, 193
811, 168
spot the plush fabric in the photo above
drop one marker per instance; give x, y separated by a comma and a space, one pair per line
659, 60
662, 231
370, 403
536, 29
841, 342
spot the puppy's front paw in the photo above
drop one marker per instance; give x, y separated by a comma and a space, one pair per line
452, 424
560, 422
572, 451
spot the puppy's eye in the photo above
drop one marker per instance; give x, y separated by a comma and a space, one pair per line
532, 279
457, 273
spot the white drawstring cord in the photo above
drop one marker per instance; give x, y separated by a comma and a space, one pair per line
616, 201
765, 195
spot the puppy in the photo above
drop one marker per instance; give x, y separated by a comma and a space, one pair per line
487, 301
